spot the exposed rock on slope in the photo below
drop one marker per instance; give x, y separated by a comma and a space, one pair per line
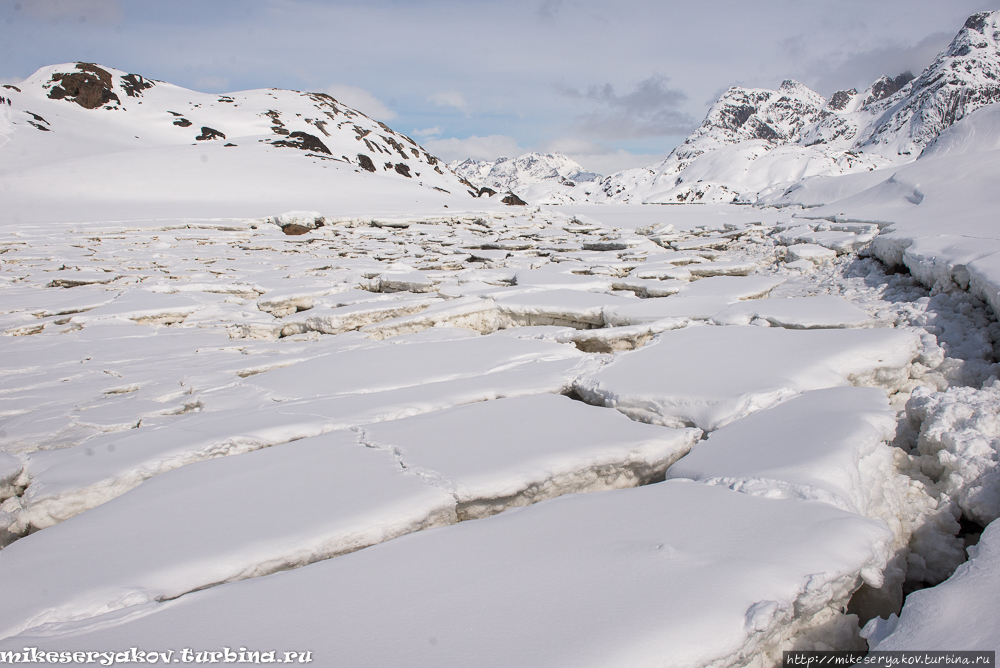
162, 138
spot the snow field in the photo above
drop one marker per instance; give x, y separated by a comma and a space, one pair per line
449, 368
414, 473
666, 589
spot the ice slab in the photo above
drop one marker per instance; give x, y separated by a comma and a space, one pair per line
724, 268
387, 367
733, 288
574, 308
480, 315
144, 307
650, 310
817, 446
830, 446
212, 522
710, 376
354, 316
812, 252
336, 393
821, 311
516, 451
547, 577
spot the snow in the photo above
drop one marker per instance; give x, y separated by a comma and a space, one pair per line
707, 376
821, 311
336, 497
230, 401
957, 613
645, 554
279, 153
830, 446
959, 443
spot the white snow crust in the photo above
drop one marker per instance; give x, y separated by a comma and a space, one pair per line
231, 391
678, 596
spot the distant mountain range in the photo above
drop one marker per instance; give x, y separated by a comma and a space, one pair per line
541, 178
756, 143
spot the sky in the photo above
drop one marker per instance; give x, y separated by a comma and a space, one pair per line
611, 84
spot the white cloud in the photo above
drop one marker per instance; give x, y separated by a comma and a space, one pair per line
479, 148
427, 132
448, 99
212, 84
362, 100
651, 110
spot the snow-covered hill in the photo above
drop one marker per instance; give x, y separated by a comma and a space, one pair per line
539, 178
78, 133
755, 142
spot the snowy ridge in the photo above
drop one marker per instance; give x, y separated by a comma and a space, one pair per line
91, 128
755, 142
538, 178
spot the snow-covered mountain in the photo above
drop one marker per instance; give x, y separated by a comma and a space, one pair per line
755, 142
539, 178
103, 134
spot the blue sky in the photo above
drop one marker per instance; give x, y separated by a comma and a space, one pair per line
613, 84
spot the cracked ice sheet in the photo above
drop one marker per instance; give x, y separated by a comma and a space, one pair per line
819, 312
710, 376
336, 496
830, 445
345, 497
810, 447
621, 578
521, 450
699, 300
385, 367
421, 378
958, 613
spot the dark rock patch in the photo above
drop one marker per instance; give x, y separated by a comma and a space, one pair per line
396, 145
404, 169
294, 230
208, 133
977, 21
321, 125
304, 142
734, 117
229, 144
365, 163
278, 128
90, 88
182, 122
510, 199
762, 130
12, 87
489, 192
38, 121
841, 98
133, 84
887, 86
